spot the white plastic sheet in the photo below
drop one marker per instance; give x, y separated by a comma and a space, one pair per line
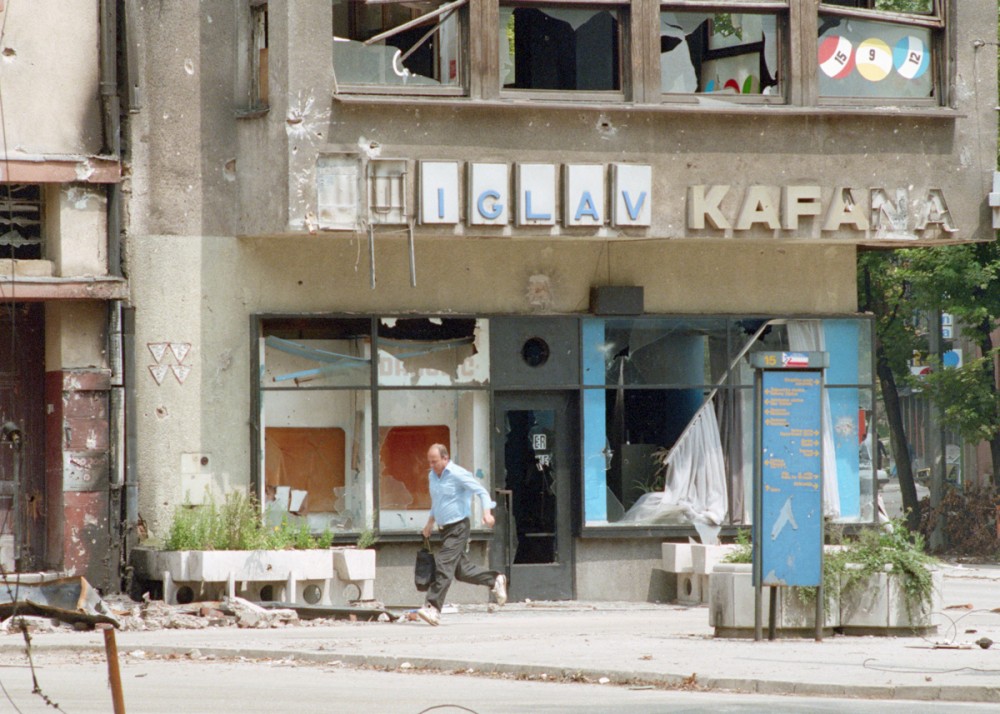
695, 490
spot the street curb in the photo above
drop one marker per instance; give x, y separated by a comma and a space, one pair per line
690, 682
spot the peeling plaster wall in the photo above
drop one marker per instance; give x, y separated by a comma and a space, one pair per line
50, 78
76, 223
75, 335
182, 141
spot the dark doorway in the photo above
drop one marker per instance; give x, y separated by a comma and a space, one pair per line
535, 454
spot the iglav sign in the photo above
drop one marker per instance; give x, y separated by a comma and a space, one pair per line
584, 200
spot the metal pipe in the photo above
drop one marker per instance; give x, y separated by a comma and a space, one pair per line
444, 9
131, 443
413, 256
111, 115
371, 252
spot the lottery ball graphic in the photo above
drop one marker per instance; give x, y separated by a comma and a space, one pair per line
910, 57
874, 59
836, 57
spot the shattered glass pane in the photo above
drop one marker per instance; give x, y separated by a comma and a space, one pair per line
422, 54
315, 363
316, 458
657, 352
433, 351
721, 53
21, 221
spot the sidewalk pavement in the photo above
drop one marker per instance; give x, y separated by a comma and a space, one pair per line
626, 643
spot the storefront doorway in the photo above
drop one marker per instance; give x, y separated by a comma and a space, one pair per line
535, 452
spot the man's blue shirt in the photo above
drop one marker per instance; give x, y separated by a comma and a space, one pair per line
451, 494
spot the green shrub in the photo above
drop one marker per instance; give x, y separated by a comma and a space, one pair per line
237, 525
872, 550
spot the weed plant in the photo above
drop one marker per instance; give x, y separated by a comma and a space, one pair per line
237, 525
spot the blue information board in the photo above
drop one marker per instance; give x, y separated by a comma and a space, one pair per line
791, 526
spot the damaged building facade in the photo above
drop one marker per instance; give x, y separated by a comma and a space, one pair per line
544, 234
61, 397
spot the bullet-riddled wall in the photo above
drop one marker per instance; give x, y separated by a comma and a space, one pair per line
224, 211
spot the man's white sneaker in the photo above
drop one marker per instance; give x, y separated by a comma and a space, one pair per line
429, 614
500, 589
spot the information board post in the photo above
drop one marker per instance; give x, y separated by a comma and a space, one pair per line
788, 478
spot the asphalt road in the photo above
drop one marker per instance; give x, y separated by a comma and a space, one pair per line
78, 684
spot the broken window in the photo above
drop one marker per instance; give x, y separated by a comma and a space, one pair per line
401, 43
679, 389
561, 48
723, 53
315, 415
433, 351
258, 56
879, 48
318, 416
21, 221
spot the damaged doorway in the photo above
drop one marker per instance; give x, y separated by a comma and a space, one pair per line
534, 452
22, 473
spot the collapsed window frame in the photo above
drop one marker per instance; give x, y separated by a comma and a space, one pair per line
426, 27
781, 75
938, 71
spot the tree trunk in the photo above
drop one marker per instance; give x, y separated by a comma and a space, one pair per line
986, 349
898, 443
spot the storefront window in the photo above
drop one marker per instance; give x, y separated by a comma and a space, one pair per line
656, 375
317, 460
560, 48
666, 421
398, 44
681, 451
722, 53
883, 49
315, 406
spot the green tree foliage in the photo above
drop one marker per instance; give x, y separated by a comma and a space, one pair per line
964, 281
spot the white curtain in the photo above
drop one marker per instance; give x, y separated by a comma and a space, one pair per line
695, 489
807, 336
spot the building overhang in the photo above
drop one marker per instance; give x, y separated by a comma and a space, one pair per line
36, 289
18, 167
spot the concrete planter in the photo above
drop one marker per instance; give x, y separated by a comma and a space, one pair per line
878, 606
704, 558
357, 567
731, 606
285, 575
354, 563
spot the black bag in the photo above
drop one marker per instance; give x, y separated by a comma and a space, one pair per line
425, 568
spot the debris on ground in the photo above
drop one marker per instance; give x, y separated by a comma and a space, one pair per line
72, 601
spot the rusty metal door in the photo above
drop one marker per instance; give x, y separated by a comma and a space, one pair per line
22, 465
